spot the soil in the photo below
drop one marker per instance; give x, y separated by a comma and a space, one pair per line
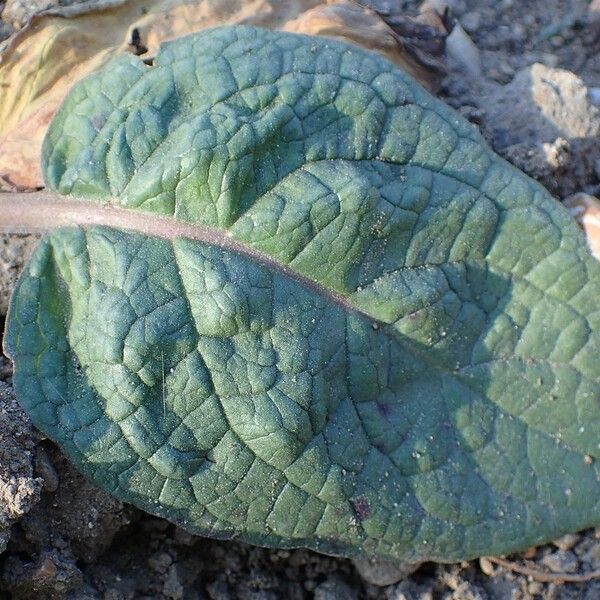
60, 537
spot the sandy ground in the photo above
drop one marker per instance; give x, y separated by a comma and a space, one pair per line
528, 75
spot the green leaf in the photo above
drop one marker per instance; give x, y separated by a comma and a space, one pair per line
381, 340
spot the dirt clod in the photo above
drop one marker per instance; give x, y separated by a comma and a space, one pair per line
14, 252
19, 488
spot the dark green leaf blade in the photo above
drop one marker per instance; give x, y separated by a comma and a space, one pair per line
403, 360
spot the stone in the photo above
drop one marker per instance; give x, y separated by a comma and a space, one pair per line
173, 588
160, 561
382, 573
334, 589
458, 7
5, 31
592, 556
471, 21
462, 50
566, 542
561, 562
542, 105
486, 566
594, 95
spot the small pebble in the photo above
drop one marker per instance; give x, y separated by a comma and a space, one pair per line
592, 556
381, 572
471, 21
566, 542
460, 47
5, 31
172, 587
535, 588
594, 95
486, 566
160, 562
497, 75
506, 69
519, 32
334, 589
561, 562
458, 7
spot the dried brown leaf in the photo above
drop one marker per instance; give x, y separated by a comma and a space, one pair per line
53, 51
60, 46
348, 20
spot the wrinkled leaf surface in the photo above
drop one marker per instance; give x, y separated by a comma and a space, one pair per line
387, 345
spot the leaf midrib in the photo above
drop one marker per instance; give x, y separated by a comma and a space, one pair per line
46, 210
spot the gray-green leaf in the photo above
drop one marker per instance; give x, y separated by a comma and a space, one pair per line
383, 341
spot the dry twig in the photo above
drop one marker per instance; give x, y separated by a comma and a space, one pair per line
544, 576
